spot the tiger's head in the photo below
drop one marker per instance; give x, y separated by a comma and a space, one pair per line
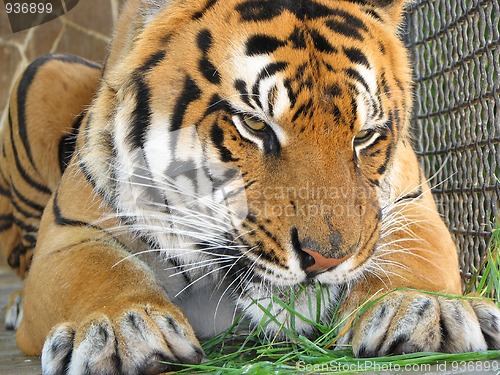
254, 137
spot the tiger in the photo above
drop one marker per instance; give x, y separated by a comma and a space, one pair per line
228, 154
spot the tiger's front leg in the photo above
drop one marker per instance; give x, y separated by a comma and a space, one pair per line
109, 317
417, 252
91, 308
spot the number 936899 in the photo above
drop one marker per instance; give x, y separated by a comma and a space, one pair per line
28, 8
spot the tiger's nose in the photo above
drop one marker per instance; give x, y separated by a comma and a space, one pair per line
312, 261
318, 263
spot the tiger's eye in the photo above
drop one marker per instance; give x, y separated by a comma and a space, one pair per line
254, 124
362, 136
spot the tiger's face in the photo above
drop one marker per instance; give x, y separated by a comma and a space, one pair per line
265, 131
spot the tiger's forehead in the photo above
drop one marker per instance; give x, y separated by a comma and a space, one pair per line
279, 57
302, 68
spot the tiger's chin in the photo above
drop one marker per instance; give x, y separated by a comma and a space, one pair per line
283, 304
284, 311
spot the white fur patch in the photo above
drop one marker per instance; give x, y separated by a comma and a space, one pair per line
282, 103
150, 8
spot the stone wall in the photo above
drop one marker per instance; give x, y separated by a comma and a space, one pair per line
84, 30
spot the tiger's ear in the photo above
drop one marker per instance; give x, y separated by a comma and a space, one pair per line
392, 8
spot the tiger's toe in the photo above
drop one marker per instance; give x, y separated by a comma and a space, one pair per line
401, 324
138, 341
14, 311
488, 316
406, 322
459, 327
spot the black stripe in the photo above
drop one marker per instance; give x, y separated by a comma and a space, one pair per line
7, 217
73, 59
297, 38
256, 248
154, 60
354, 109
6, 221
266, 72
321, 43
26, 227
64, 221
402, 341
141, 116
30, 239
30, 181
262, 44
217, 136
25, 84
14, 258
208, 5
291, 94
273, 68
385, 85
28, 202
417, 194
67, 144
302, 110
216, 104
5, 226
374, 14
350, 19
354, 74
334, 90
4, 191
336, 113
301, 70
209, 71
204, 40
241, 86
189, 94
381, 170
388, 153
86, 173
259, 10
307, 9
264, 10
356, 56
22, 93
346, 28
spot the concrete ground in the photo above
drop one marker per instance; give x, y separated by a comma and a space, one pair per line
12, 361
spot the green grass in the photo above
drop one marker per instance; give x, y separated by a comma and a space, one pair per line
233, 354
486, 280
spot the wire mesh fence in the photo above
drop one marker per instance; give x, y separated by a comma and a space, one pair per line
455, 45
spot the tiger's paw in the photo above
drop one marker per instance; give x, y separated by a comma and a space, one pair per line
407, 321
14, 311
138, 341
